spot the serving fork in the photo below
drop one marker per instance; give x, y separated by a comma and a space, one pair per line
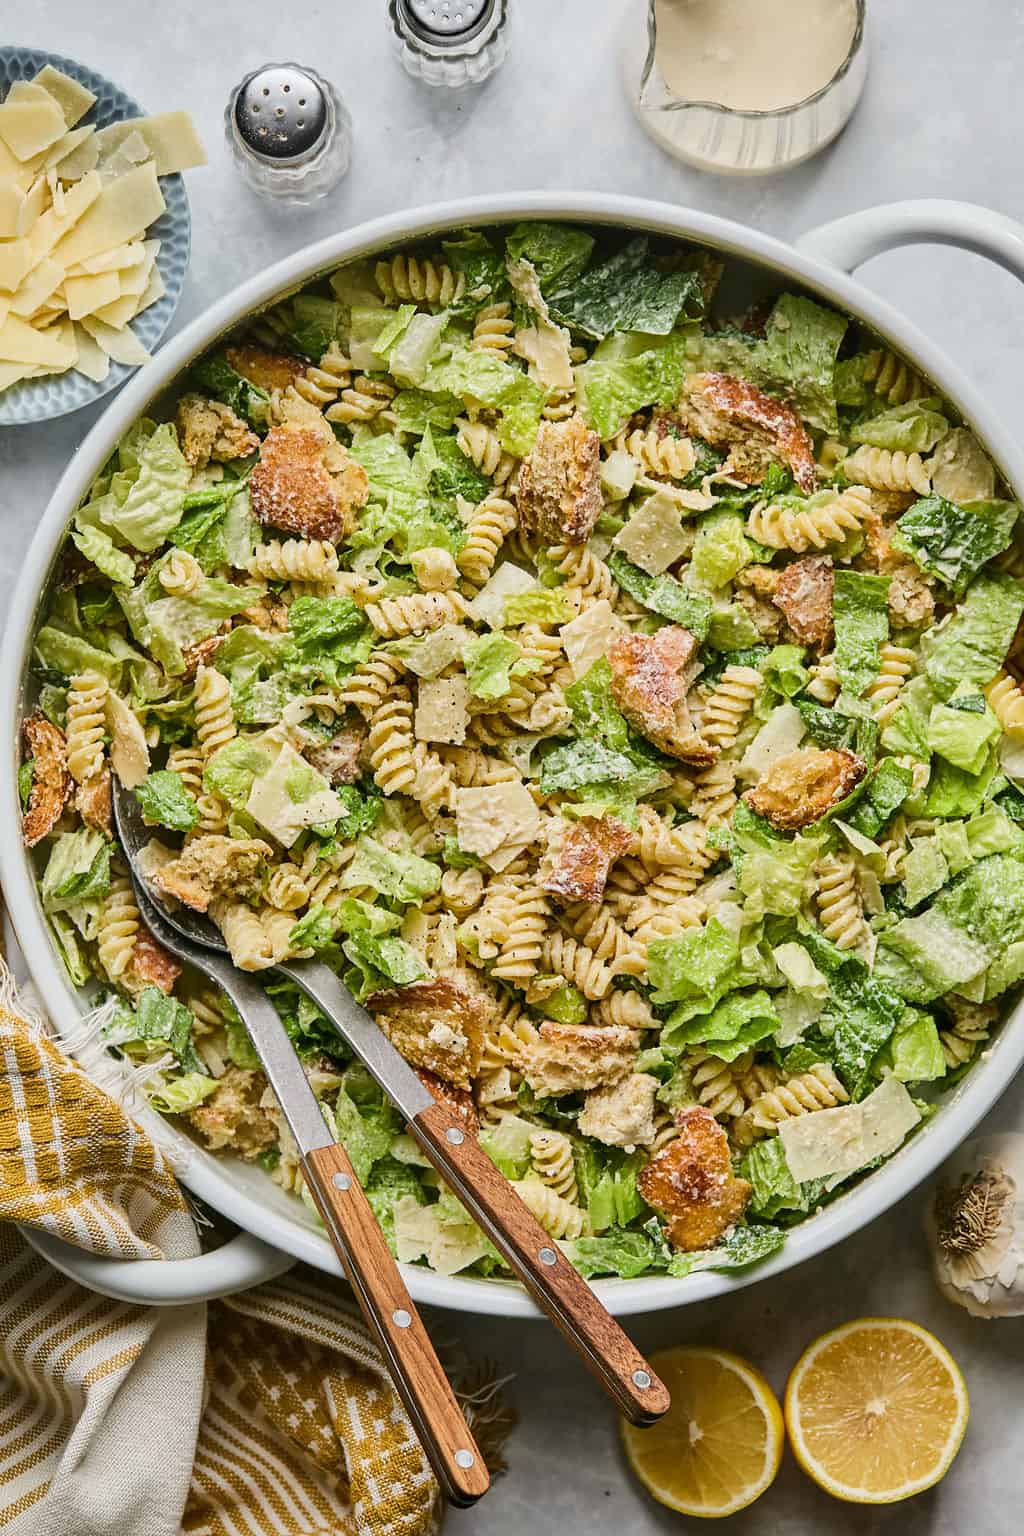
546, 1272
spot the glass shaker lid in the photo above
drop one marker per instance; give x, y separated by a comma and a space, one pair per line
281, 112
439, 21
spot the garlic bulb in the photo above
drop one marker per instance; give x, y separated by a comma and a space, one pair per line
976, 1227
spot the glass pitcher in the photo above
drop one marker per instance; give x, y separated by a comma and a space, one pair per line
713, 137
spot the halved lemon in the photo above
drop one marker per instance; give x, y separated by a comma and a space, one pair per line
719, 1446
876, 1410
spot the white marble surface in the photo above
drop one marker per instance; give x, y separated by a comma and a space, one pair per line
939, 118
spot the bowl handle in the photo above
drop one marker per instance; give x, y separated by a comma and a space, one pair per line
242, 1262
849, 241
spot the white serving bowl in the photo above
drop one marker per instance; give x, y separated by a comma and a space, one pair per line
819, 263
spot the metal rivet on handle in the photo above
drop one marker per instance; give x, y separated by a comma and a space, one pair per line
454, 1135
548, 1256
401, 1318
341, 1181
641, 1378
464, 1459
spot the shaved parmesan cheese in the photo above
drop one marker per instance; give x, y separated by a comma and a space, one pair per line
51, 227
654, 537
123, 210
118, 311
15, 261
489, 603
29, 127
13, 373
33, 203
588, 637
85, 295
92, 360
833, 1143
19, 343
170, 137
66, 145
45, 278
121, 346
11, 201
154, 290
781, 733
499, 813
442, 710
81, 160
73, 98
119, 259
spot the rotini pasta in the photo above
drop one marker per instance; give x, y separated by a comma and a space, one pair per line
492, 521
839, 906
86, 724
393, 617
420, 281
215, 720
728, 704
312, 560
494, 330
118, 928
672, 457
391, 746
181, 574
817, 1088
552, 1161
883, 694
578, 964
481, 443
560, 1218
370, 684
892, 378
823, 519
885, 471
1006, 702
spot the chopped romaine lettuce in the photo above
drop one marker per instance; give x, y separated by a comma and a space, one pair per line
609, 392
560, 253
401, 876
166, 802
952, 542
153, 506
628, 293
860, 610
664, 595
915, 427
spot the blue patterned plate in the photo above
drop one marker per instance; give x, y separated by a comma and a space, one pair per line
57, 394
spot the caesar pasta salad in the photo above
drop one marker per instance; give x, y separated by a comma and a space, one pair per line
620, 694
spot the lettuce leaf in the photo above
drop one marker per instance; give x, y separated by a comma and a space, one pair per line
589, 761
861, 614
153, 506
953, 542
617, 1251
775, 1190
969, 646
885, 792
663, 595
700, 963
416, 410
77, 871
720, 550
915, 1050
560, 253
735, 1024
389, 1181
98, 547
744, 1245
330, 634
542, 606
963, 737
481, 264
798, 355
628, 293
594, 711
213, 375
161, 1018
402, 876
610, 391
483, 377
165, 801
488, 661
177, 1095
915, 427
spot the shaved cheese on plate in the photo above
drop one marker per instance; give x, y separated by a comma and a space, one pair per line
82, 159
118, 311
92, 360
119, 259
85, 295
51, 227
28, 127
833, 1143
66, 145
33, 203
123, 210
19, 343
170, 136
154, 290
44, 280
13, 373
73, 98
15, 261
11, 200
120, 346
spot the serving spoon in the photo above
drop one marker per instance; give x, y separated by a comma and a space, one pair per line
553, 1281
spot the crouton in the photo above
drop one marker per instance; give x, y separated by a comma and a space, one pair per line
760, 430
559, 483
232, 1119
571, 1058
291, 488
621, 1115
804, 595
802, 786
338, 759
458, 1100
51, 781
690, 1183
200, 655
92, 801
911, 603
267, 370
151, 963
211, 866
209, 430
437, 1024
579, 865
651, 676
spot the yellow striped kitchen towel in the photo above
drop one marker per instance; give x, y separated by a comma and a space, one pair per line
266, 1414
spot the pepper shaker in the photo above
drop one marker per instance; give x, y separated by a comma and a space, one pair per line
289, 132
450, 43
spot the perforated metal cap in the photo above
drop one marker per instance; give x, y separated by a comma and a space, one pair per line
445, 21
281, 113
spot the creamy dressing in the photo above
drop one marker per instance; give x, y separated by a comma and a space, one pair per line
752, 55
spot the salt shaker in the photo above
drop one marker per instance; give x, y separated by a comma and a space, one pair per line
289, 132
450, 43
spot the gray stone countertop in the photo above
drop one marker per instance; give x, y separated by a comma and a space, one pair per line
940, 118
